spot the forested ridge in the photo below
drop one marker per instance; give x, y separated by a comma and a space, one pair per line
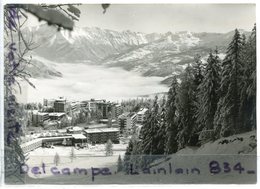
210, 100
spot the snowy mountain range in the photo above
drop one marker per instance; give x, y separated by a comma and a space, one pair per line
153, 54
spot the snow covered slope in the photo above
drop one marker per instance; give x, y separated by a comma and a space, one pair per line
236, 160
42, 68
237, 144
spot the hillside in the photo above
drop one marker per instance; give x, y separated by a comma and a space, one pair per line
179, 166
237, 144
40, 68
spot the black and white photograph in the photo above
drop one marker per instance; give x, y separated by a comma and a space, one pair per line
129, 94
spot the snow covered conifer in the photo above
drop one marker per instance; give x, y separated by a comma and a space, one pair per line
72, 154
119, 164
248, 86
127, 156
56, 159
227, 117
198, 70
186, 109
208, 93
161, 134
149, 130
171, 145
109, 148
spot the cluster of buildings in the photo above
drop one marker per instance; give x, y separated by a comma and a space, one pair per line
104, 108
112, 123
56, 109
73, 136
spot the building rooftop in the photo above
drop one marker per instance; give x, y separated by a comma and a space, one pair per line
102, 130
94, 100
94, 126
106, 120
127, 114
62, 131
75, 128
79, 136
41, 113
57, 114
60, 98
143, 111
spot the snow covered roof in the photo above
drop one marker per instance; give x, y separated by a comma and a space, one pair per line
39, 113
58, 114
62, 130
127, 114
106, 120
60, 99
79, 136
143, 111
42, 113
102, 130
103, 120
76, 128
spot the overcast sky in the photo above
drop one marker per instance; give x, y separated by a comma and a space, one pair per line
161, 18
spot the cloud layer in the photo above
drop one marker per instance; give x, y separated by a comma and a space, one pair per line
82, 82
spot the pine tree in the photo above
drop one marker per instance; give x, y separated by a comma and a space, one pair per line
198, 70
186, 109
227, 116
198, 76
248, 86
119, 164
149, 130
109, 148
161, 134
136, 154
132, 154
208, 93
171, 145
127, 156
56, 159
72, 154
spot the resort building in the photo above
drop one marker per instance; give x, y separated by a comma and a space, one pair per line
142, 115
99, 136
48, 102
56, 115
74, 130
74, 106
127, 121
60, 105
47, 140
39, 117
118, 110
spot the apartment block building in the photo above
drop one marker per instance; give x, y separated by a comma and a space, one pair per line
39, 117
102, 135
142, 115
127, 121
